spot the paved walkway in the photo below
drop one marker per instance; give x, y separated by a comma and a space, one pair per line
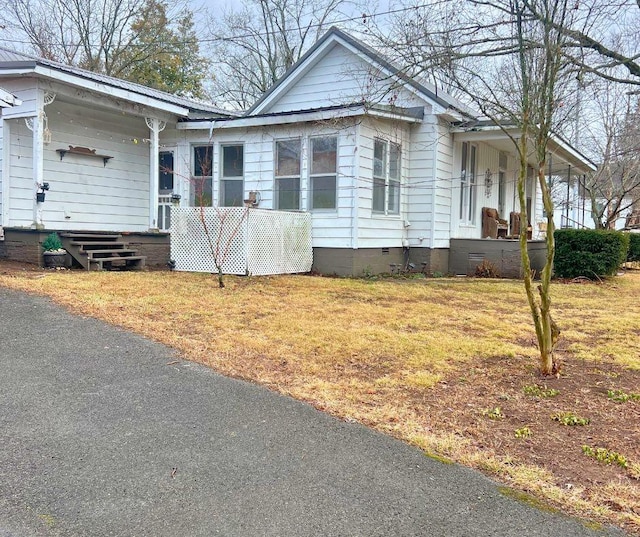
106, 433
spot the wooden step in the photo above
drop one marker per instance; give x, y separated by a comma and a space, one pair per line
85, 246
92, 236
134, 261
111, 252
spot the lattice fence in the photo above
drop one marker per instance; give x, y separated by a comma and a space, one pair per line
247, 241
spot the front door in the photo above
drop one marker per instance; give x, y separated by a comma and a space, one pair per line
165, 188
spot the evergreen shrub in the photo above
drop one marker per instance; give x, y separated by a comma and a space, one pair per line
589, 253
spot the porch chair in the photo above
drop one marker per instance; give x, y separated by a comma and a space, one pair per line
514, 226
493, 227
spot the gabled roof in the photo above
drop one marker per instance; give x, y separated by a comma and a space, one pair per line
10, 59
335, 35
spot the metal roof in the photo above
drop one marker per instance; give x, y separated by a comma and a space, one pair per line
12, 59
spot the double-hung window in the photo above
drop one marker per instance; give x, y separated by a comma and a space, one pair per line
202, 167
232, 177
287, 174
386, 177
468, 183
324, 168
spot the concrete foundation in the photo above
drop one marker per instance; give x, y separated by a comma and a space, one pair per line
467, 254
367, 261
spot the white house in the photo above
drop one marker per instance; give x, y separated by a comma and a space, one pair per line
391, 171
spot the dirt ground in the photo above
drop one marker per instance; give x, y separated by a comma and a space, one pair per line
582, 388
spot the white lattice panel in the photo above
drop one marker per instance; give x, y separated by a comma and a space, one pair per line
279, 242
192, 247
248, 241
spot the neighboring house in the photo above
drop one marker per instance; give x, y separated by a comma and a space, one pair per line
391, 171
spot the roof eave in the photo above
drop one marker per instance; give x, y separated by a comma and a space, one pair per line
291, 117
108, 90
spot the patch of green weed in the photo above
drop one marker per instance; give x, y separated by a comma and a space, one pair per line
569, 418
605, 456
493, 413
619, 396
539, 391
524, 432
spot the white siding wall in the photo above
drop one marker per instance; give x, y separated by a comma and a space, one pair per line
444, 187
85, 194
340, 77
378, 230
331, 228
21, 187
420, 182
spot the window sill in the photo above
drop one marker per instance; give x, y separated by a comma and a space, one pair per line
383, 215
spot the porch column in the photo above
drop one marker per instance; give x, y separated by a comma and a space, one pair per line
35, 124
155, 127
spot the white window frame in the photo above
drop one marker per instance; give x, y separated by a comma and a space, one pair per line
222, 201
386, 180
468, 187
286, 177
201, 178
321, 174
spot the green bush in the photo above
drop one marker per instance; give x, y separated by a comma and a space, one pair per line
52, 243
634, 247
591, 253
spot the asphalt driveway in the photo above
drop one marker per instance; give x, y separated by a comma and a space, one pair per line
103, 432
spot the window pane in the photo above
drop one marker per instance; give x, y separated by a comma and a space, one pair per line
472, 165
472, 185
378, 195
394, 197
202, 191
463, 179
166, 170
232, 161
379, 158
324, 192
202, 160
288, 194
288, 157
394, 161
324, 155
232, 194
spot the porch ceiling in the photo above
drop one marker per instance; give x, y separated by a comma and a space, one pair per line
562, 154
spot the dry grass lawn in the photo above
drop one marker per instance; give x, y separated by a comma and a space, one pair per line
448, 365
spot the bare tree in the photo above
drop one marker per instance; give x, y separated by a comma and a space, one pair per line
255, 44
151, 42
614, 137
601, 37
512, 67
